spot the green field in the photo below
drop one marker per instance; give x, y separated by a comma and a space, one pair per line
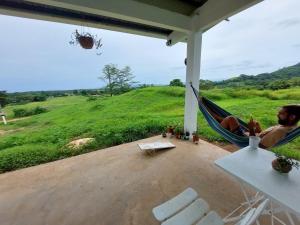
114, 120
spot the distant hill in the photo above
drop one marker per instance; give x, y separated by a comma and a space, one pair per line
280, 79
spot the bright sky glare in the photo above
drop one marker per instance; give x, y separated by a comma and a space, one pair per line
36, 55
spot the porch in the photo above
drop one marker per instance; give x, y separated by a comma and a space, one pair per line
118, 185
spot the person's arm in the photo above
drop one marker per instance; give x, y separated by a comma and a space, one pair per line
262, 146
271, 138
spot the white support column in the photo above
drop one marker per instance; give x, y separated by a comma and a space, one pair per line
192, 75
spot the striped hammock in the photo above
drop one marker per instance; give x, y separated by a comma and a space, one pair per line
241, 141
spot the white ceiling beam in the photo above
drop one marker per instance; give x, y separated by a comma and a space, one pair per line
210, 14
214, 11
35, 16
176, 37
128, 10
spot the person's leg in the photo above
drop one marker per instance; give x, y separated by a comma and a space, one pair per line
230, 123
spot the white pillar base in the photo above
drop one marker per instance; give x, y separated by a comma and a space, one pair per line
192, 75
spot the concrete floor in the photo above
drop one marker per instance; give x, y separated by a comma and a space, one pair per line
115, 186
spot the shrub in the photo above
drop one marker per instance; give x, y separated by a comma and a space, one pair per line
92, 98
39, 98
20, 112
176, 82
129, 133
171, 91
215, 94
279, 84
39, 110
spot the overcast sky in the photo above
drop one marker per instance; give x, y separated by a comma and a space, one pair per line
35, 55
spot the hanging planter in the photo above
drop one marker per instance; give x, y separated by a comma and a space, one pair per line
86, 40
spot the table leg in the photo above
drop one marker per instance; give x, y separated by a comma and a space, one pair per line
272, 211
256, 199
245, 194
250, 202
290, 218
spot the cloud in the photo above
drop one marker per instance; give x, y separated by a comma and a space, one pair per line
260, 39
296, 46
177, 68
243, 65
289, 23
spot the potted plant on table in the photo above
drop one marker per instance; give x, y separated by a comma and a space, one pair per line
196, 137
284, 164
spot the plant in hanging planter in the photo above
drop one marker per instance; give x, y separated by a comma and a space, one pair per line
284, 164
86, 40
196, 137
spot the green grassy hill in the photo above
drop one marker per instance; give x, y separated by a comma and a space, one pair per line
283, 78
137, 114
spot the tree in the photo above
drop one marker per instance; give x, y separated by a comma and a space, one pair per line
3, 98
176, 82
206, 84
118, 80
110, 74
84, 92
124, 79
279, 84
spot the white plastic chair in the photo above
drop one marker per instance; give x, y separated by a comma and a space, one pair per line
187, 209
174, 205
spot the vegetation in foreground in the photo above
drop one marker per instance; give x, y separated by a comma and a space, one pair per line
131, 116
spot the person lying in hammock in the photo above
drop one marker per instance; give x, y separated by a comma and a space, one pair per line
288, 118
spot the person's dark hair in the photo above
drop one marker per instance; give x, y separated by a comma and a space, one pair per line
293, 110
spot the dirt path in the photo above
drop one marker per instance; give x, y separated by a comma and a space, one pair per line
3, 132
17, 119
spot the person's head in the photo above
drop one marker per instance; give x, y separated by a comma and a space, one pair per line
289, 115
